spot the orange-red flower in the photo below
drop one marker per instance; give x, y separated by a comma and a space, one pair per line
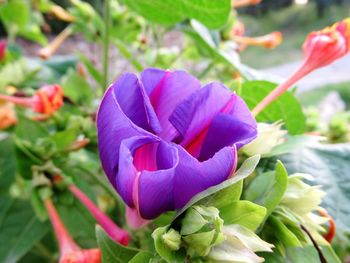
46, 100
7, 115
321, 48
70, 252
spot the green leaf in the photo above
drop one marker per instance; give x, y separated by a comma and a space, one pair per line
330, 166
15, 73
21, 11
161, 248
213, 14
141, 257
37, 129
77, 88
19, 229
244, 171
282, 232
7, 163
300, 254
64, 139
92, 69
285, 108
293, 143
208, 43
267, 189
111, 251
244, 213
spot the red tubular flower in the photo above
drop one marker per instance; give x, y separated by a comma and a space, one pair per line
116, 233
46, 100
321, 48
70, 252
3, 46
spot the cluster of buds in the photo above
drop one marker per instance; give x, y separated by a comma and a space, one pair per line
205, 236
46, 100
321, 48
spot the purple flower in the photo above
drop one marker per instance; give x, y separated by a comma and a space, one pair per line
163, 138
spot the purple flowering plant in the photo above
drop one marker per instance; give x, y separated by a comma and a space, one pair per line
149, 151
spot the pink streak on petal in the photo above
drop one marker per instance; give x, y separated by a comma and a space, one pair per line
135, 221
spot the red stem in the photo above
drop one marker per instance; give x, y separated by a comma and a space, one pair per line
65, 241
116, 233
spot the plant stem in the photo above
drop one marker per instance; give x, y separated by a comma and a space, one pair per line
106, 42
102, 183
44, 252
206, 70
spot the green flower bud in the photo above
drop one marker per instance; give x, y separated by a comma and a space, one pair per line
201, 229
300, 197
269, 136
172, 239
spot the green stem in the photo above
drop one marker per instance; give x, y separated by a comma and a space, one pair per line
106, 42
44, 252
101, 182
206, 70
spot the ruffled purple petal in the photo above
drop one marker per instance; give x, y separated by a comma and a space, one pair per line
133, 100
192, 118
193, 177
236, 126
130, 167
156, 188
166, 90
124, 112
142, 186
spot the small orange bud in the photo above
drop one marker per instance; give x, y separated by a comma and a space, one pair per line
244, 3
61, 14
329, 236
270, 40
7, 115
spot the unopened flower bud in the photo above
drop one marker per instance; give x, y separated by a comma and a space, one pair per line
201, 229
269, 136
172, 239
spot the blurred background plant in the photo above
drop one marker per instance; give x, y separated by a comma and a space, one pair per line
82, 46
